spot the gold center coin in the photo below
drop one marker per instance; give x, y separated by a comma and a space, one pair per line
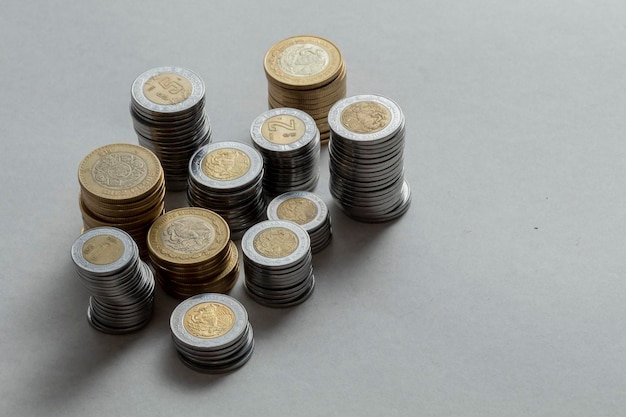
225, 164
298, 210
365, 117
167, 89
283, 129
276, 242
103, 249
209, 320
188, 234
303, 60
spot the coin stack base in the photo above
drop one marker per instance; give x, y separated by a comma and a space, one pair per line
278, 263
167, 108
121, 285
307, 73
307, 210
227, 178
211, 333
366, 158
289, 142
191, 252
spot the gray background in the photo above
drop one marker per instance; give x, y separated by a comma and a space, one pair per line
500, 293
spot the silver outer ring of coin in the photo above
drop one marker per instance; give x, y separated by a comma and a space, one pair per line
247, 243
334, 118
322, 209
85, 265
310, 129
178, 328
256, 165
197, 92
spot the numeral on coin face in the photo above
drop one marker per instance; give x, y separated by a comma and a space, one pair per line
283, 129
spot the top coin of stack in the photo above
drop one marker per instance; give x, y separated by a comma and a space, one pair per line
167, 107
306, 73
122, 185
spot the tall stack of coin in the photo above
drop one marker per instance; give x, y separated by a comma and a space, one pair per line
191, 252
122, 185
289, 141
307, 210
226, 177
306, 73
366, 158
211, 333
277, 263
121, 285
167, 107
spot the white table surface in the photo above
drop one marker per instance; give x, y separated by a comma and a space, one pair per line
501, 292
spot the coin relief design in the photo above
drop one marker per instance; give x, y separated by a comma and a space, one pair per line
188, 234
283, 129
276, 242
167, 89
298, 210
303, 60
119, 170
225, 164
103, 249
209, 320
365, 117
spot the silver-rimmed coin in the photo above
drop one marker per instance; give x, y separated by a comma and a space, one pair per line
167, 89
103, 251
283, 130
275, 243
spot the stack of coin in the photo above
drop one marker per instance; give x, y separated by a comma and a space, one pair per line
306, 73
167, 108
121, 285
366, 158
307, 210
211, 333
122, 185
226, 177
289, 141
191, 252
277, 263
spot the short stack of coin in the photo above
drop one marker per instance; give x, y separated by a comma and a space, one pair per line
307, 210
121, 285
307, 73
289, 141
211, 333
277, 263
191, 252
122, 185
167, 108
227, 178
366, 158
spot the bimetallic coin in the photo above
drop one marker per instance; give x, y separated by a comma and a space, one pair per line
283, 130
103, 250
167, 90
275, 243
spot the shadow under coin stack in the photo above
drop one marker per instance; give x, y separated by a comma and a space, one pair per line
167, 107
191, 252
307, 210
122, 185
306, 73
277, 263
121, 285
366, 158
289, 141
227, 178
211, 333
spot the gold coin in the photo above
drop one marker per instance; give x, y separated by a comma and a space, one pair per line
103, 249
209, 320
275, 242
302, 61
225, 164
120, 172
167, 89
188, 236
298, 210
365, 117
283, 129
